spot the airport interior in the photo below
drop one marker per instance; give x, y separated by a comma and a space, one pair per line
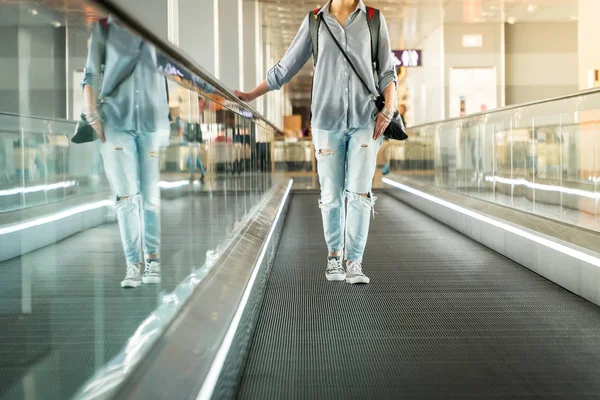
166, 233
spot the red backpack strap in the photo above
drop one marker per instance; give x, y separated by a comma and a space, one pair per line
374, 22
316, 12
370, 12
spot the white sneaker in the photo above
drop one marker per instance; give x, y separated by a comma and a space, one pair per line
335, 271
151, 272
133, 277
354, 274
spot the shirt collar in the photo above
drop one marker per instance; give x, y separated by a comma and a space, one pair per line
361, 6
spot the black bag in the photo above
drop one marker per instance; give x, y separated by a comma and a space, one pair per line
198, 131
395, 129
84, 132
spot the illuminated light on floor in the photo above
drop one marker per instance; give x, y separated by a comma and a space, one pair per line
55, 217
539, 186
517, 231
172, 185
39, 188
215, 369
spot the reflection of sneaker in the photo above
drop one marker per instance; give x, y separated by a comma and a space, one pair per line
151, 272
354, 274
386, 169
335, 271
133, 278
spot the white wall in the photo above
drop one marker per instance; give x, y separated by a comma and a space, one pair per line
589, 32
231, 48
541, 61
151, 13
425, 84
251, 44
199, 32
491, 54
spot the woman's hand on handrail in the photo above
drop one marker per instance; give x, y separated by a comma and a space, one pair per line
258, 91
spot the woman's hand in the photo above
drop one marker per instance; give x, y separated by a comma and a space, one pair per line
380, 126
247, 97
258, 91
99, 130
95, 121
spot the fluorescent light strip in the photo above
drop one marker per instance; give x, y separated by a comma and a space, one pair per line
520, 232
172, 185
54, 217
215, 369
539, 186
40, 188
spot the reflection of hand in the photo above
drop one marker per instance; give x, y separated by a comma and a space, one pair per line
380, 126
93, 118
247, 97
99, 130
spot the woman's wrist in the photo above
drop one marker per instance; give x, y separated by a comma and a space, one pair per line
387, 114
92, 116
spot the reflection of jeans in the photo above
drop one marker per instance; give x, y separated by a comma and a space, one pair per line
40, 163
132, 166
476, 161
198, 161
338, 182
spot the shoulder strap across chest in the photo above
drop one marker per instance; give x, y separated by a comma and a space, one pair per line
373, 21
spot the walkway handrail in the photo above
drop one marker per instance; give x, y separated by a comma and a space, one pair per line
580, 93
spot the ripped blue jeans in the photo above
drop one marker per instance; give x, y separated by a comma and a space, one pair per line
346, 163
131, 162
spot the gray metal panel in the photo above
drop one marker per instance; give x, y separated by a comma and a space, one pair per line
180, 360
443, 317
561, 253
63, 314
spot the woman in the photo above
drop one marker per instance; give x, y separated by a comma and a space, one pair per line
129, 120
346, 125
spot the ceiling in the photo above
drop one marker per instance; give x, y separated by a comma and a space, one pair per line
409, 22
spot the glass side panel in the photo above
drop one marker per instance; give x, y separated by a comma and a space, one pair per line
542, 159
181, 172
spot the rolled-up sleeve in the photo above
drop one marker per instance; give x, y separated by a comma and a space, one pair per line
93, 67
387, 69
296, 56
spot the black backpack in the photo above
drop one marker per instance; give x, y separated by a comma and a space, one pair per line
373, 21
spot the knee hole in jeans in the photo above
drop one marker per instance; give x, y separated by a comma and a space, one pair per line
365, 198
364, 146
325, 152
153, 154
123, 198
328, 206
118, 148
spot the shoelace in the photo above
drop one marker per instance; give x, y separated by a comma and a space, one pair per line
333, 265
151, 268
132, 272
355, 268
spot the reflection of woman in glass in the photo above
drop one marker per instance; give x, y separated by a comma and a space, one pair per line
132, 112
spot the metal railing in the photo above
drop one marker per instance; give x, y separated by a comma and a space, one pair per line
541, 157
177, 55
